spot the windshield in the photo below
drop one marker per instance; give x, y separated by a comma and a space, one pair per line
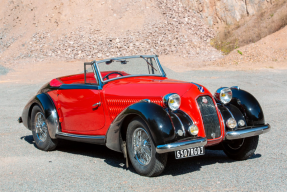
128, 66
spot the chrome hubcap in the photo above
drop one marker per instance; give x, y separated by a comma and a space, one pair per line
41, 126
141, 146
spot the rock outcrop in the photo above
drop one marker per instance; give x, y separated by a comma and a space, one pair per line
226, 11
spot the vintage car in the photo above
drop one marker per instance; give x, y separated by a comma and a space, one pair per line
129, 105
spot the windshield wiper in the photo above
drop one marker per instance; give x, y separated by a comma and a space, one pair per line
148, 62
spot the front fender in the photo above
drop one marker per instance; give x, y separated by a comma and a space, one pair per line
248, 106
156, 118
49, 109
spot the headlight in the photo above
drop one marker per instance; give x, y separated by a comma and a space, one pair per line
231, 123
193, 129
223, 94
241, 123
172, 100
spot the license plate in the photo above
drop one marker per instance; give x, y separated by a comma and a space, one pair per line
191, 152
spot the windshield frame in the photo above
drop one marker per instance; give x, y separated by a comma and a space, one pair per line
162, 73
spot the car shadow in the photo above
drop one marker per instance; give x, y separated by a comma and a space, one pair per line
28, 138
182, 166
174, 166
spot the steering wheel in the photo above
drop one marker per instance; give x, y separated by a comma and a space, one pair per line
115, 72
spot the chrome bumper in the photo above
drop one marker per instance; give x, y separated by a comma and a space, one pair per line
248, 132
185, 144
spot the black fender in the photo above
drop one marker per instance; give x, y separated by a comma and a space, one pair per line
181, 122
227, 111
156, 118
50, 112
249, 107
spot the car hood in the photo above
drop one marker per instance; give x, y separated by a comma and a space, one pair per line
147, 88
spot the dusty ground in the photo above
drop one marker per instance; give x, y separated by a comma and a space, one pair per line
83, 167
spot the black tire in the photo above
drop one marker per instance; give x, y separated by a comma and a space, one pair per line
43, 143
240, 149
157, 161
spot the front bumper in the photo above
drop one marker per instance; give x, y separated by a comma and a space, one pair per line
184, 144
248, 132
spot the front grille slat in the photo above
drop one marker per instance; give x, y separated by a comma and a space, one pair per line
209, 117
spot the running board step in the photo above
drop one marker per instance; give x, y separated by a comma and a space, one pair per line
99, 139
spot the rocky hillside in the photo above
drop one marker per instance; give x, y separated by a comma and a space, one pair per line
84, 29
32, 30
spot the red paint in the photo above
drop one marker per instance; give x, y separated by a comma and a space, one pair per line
78, 113
79, 79
75, 106
55, 83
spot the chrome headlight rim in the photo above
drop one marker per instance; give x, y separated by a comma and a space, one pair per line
172, 101
231, 123
223, 94
193, 130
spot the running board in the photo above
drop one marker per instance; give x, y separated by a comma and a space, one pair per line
99, 139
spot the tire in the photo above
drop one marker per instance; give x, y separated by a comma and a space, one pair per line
40, 131
143, 156
240, 149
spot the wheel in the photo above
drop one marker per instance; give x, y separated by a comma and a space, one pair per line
240, 149
141, 150
40, 131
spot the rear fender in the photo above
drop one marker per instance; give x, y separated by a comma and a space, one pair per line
50, 112
156, 118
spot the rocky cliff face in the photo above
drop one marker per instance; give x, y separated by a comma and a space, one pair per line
226, 11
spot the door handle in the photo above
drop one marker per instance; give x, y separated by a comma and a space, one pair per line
96, 105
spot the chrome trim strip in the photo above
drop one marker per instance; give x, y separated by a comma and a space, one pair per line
248, 132
182, 126
81, 136
185, 144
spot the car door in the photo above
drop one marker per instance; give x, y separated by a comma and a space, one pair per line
82, 110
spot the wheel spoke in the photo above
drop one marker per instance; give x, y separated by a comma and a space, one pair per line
141, 146
41, 127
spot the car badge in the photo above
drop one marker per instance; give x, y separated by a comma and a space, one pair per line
213, 135
200, 88
204, 100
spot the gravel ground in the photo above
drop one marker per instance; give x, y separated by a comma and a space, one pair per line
3, 70
84, 167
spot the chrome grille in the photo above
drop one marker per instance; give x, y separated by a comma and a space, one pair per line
209, 117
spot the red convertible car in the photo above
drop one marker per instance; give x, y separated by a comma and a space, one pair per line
129, 105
